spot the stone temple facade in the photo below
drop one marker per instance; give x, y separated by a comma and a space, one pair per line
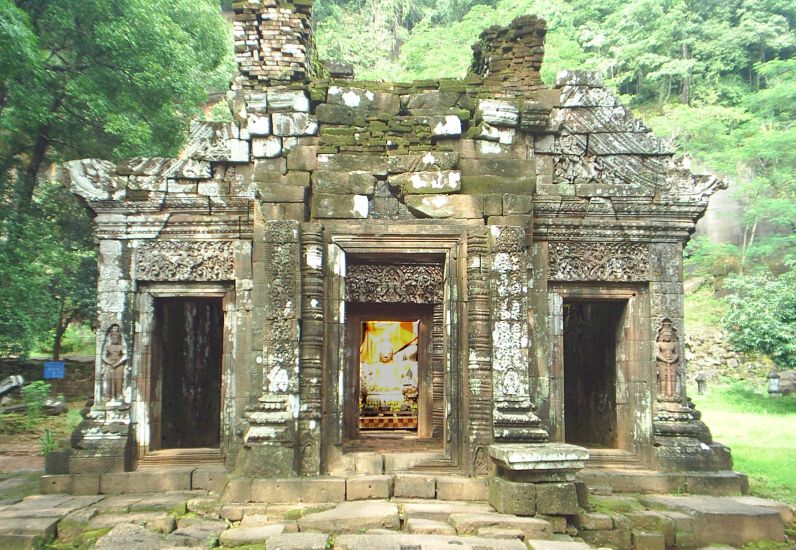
533, 235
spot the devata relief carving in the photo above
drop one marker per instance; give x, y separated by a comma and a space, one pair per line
114, 362
667, 357
599, 261
185, 261
402, 284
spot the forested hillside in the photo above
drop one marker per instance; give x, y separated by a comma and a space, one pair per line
717, 77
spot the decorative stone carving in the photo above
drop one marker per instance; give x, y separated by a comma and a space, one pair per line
185, 261
92, 179
667, 358
599, 261
403, 284
114, 366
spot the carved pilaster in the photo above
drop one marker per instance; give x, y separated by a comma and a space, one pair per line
273, 418
311, 348
480, 350
513, 416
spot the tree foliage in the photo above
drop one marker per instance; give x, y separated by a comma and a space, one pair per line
762, 316
86, 78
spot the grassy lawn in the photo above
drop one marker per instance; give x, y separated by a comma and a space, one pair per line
761, 431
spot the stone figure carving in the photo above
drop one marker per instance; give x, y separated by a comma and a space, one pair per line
114, 362
667, 357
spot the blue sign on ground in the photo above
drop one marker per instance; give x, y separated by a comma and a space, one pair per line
54, 369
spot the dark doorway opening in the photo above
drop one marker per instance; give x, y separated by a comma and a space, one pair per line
592, 331
188, 347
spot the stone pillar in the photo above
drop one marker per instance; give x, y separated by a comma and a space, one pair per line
102, 441
479, 365
682, 441
311, 347
513, 417
270, 438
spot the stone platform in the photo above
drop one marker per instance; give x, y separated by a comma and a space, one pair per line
398, 511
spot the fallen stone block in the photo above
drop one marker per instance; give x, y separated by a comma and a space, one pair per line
422, 542
242, 536
469, 524
428, 527
297, 541
353, 517
129, 537
203, 533
442, 511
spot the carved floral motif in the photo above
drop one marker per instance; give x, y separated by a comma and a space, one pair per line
185, 261
599, 261
405, 284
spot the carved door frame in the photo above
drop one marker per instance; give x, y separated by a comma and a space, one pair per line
635, 369
144, 384
357, 313
347, 243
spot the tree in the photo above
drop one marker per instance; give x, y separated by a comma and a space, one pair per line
762, 316
86, 78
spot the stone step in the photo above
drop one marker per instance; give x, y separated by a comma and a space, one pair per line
400, 541
353, 517
620, 480
724, 520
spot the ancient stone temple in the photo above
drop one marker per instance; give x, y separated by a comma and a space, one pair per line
473, 276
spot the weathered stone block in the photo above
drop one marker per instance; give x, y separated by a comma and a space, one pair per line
556, 498
267, 147
644, 540
593, 521
209, 479
353, 517
430, 161
369, 487
427, 182
613, 539
511, 497
498, 113
294, 124
298, 541
480, 149
274, 192
288, 100
367, 100
303, 157
259, 125
339, 206
244, 536
276, 491
482, 185
517, 204
446, 206
343, 183
85, 484
493, 204
238, 490
266, 169
344, 162
532, 528
507, 168
447, 126
414, 486
430, 103
56, 484
428, 527
462, 488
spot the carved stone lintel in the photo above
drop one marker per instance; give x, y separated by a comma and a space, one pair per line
185, 261
572, 261
405, 283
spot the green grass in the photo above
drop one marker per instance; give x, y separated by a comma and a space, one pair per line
760, 430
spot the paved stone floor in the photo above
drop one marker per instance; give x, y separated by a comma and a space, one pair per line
199, 519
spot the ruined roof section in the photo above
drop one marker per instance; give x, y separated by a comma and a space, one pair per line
509, 58
274, 43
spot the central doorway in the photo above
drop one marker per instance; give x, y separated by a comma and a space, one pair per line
187, 359
389, 392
